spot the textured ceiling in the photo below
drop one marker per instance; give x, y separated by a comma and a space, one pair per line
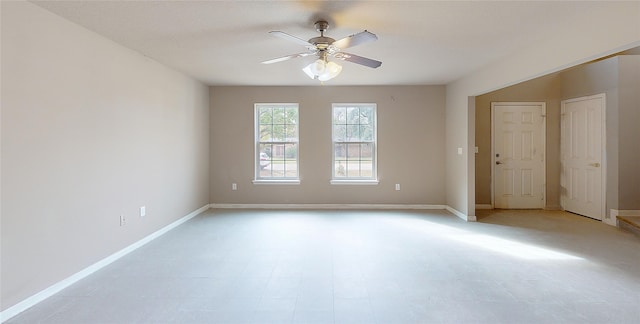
420, 42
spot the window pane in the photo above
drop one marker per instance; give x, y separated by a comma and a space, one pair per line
265, 159
266, 172
265, 156
339, 133
278, 115
353, 152
266, 116
354, 137
366, 168
277, 152
340, 169
277, 133
291, 133
353, 169
291, 151
366, 133
353, 133
284, 160
265, 133
353, 115
366, 151
291, 115
290, 164
340, 115
277, 141
340, 151
266, 149
366, 115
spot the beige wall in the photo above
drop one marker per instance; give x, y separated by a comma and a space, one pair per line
90, 130
545, 89
591, 79
600, 30
629, 121
410, 145
619, 79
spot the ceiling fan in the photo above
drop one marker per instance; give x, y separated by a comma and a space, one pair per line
324, 47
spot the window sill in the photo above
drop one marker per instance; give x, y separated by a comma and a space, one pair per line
276, 182
355, 182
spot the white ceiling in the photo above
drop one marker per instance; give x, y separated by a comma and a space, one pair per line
420, 42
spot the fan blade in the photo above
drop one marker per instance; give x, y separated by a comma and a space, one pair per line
357, 59
292, 38
355, 39
288, 57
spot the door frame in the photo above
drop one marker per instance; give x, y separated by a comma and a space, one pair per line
603, 152
543, 106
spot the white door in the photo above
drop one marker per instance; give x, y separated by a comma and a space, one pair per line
581, 156
518, 154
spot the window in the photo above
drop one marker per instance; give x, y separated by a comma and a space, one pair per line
354, 143
276, 142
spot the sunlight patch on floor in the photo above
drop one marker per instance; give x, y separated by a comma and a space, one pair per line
512, 248
483, 241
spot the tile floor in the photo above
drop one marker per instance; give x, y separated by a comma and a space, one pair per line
242, 266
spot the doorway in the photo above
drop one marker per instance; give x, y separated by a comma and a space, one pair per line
518, 155
582, 147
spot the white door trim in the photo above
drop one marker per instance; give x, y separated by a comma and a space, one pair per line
543, 106
603, 97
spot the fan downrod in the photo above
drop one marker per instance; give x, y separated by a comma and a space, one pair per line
321, 26
322, 42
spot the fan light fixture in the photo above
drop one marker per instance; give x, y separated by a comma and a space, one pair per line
325, 47
322, 70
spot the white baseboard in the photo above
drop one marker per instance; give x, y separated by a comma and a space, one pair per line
325, 206
468, 218
614, 213
59, 286
345, 206
611, 220
484, 206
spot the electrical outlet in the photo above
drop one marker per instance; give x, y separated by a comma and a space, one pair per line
234, 186
143, 211
397, 186
122, 220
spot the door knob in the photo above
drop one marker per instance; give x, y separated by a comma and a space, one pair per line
595, 165
498, 162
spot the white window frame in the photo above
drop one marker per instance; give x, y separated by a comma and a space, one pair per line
258, 179
373, 180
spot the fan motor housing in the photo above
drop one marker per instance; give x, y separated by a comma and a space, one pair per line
322, 42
